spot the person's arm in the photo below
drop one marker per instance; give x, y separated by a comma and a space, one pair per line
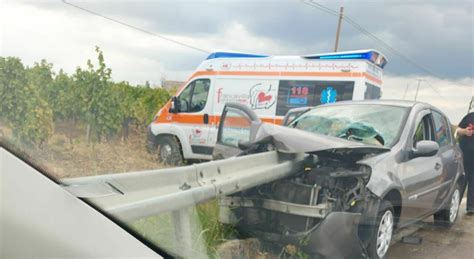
463, 128
463, 132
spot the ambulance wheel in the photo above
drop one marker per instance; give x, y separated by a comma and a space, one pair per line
169, 151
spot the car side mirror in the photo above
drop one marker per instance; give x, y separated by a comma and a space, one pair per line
174, 105
425, 148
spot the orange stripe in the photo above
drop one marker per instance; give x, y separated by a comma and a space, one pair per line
373, 79
199, 119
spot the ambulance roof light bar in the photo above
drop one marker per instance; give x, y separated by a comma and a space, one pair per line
371, 55
224, 54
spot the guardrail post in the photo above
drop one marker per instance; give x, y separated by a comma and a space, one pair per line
183, 231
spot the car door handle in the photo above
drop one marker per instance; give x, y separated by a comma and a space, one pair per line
437, 166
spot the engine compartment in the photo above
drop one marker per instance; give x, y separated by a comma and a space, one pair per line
298, 204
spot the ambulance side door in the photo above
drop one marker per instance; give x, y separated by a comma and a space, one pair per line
193, 107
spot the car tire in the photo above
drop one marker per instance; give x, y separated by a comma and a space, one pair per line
381, 231
447, 217
169, 151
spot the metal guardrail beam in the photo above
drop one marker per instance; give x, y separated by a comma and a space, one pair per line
314, 211
131, 196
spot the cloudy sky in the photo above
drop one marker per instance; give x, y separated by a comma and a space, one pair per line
437, 35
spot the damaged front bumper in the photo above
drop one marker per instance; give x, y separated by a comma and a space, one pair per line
335, 235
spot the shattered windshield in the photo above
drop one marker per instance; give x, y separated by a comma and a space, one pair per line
370, 124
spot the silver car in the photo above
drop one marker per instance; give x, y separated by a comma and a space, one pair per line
373, 167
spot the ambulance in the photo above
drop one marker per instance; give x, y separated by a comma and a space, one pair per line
186, 127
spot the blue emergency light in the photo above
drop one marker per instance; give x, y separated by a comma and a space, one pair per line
234, 55
371, 55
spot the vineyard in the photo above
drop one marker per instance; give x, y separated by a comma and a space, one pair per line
78, 124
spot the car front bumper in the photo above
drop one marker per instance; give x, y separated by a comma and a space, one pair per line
336, 236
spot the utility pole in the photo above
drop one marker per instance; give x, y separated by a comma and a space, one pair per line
417, 88
341, 11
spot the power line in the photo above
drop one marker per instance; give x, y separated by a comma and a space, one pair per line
361, 29
137, 28
432, 87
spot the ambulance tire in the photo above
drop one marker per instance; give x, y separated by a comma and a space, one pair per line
169, 151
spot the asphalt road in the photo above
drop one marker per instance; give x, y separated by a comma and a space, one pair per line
437, 242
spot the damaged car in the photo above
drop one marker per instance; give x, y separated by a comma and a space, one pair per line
373, 167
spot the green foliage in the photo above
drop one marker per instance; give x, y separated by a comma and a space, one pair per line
40, 76
99, 102
33, 97
213, 231
22, 105
150, 100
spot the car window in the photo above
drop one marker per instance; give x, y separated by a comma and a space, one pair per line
419, 132
200, 93
423, 130
441, 129
184, 99
235, 128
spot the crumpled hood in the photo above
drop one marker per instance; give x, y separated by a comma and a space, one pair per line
290, 140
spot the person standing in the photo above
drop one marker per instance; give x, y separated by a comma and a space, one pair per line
465, 131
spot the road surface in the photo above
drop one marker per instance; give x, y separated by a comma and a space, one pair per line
437, 242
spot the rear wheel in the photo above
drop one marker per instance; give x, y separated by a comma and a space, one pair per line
169, 151
382, 231
447, 217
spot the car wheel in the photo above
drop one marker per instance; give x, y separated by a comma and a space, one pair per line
169, 151
382, 231
447, 217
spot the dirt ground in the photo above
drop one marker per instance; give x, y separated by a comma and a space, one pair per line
437, 242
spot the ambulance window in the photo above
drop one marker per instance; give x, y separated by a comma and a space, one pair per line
200, 93
372, 92
184, 98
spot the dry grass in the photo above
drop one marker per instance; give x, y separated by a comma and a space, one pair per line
68, 154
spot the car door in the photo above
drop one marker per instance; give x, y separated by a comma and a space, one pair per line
420, 175
236, 128
447, 154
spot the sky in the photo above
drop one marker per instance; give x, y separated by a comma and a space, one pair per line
437, 35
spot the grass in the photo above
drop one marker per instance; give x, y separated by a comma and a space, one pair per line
69, 155
206, 230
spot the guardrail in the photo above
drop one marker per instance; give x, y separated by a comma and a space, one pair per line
136, 195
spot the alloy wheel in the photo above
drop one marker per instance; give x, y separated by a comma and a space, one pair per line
384, 233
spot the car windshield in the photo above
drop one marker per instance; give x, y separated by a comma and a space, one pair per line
370, 124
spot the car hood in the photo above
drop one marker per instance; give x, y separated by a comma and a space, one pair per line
290, 140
